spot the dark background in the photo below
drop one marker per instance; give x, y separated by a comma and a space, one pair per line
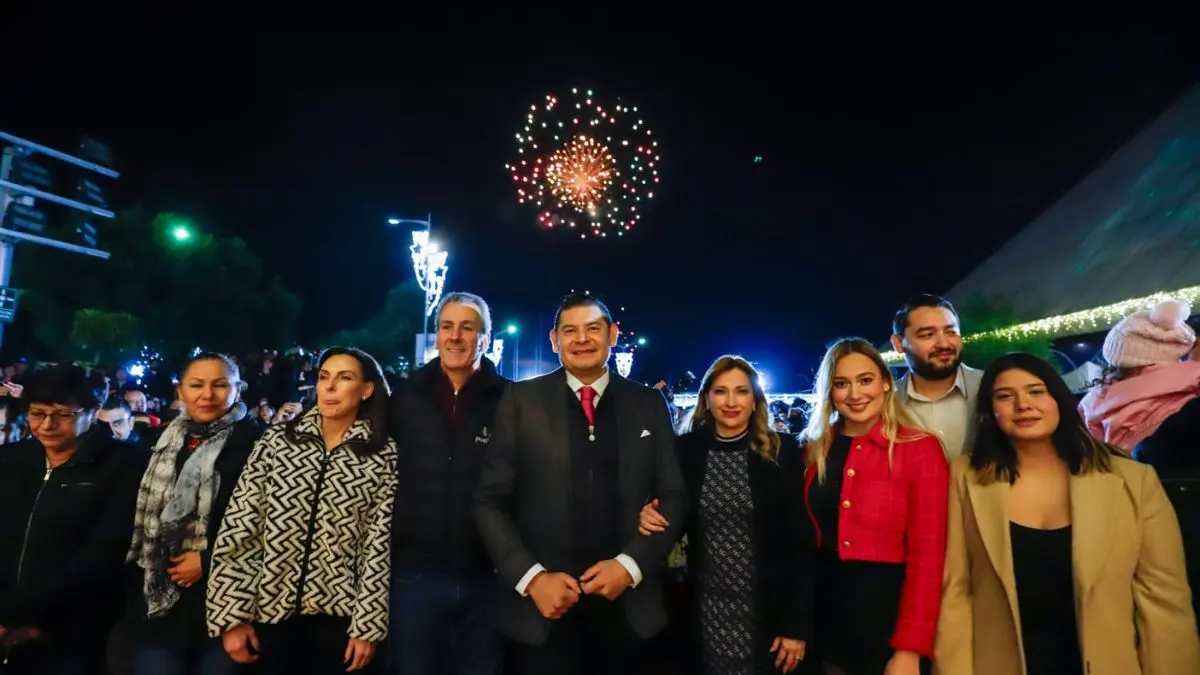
893, 162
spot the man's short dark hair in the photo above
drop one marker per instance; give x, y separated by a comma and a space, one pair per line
117, 403
584, 299
900, 321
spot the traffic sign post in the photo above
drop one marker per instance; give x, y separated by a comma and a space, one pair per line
23, 182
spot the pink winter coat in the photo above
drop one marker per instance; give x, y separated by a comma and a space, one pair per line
1127, 411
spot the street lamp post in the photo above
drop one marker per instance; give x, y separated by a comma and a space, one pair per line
429, 265
514, 332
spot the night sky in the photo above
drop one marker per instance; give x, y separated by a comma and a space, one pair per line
890, 166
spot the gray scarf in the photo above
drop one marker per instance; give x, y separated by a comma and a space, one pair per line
172, 511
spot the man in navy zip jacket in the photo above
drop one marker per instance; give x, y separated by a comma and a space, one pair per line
442, 580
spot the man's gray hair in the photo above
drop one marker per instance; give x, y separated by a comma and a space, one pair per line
470, 300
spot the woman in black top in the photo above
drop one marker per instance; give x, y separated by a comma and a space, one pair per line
1063, 555
748, 555
66, 500
195, 464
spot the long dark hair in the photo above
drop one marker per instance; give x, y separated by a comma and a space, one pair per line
375, 408
994, 457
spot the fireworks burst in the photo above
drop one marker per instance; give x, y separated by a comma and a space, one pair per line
585, 165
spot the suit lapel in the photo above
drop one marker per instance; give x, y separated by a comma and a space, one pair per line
1094, 497
555, 399
990, 506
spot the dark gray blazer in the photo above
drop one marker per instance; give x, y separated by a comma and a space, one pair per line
522, 503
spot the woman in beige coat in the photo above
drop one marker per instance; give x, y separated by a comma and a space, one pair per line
1064, 557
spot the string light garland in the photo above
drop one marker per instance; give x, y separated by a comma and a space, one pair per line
1076, 323
586, 166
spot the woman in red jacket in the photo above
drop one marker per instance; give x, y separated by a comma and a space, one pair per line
876, 490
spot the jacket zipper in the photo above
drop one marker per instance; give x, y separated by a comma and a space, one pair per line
312, 531
29, 523
25, 540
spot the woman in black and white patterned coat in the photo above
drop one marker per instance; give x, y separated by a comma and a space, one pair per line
749, 555
302, 563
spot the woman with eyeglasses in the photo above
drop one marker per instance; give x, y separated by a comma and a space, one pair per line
67, 497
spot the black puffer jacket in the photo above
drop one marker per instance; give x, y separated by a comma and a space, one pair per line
64, 534
442, 437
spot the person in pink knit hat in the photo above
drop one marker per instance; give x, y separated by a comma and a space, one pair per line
1150, 381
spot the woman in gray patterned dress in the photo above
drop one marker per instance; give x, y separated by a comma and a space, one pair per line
749, 557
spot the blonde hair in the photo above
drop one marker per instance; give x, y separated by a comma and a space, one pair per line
763, 440
818, 435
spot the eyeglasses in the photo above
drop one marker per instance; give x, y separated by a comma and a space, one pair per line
38, 416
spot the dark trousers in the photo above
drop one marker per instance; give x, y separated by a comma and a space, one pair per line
593, 638
313, 645
207, 659
443, 624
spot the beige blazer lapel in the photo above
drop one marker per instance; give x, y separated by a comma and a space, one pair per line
1094, 500
989, 503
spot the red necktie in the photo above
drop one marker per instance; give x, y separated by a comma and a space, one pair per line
588, 396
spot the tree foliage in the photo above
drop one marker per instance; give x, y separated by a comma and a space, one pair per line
206, 291
390, 335
105, 333
981, 314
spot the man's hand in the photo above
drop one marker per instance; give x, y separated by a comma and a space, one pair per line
239, 641
554, 593
187, 569
607, 578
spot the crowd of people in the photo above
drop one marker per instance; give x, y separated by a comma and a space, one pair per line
954, 520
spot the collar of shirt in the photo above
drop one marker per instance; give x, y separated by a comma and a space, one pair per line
958, 384
599, 385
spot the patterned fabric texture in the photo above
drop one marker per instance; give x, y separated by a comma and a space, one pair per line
726, 577
172, 511
307, 530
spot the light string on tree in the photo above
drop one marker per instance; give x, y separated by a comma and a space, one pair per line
1076, 323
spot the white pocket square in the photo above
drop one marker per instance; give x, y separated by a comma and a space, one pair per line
645, 433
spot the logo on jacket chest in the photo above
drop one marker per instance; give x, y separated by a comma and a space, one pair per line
484, 436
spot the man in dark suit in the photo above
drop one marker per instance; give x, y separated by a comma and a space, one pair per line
573, 458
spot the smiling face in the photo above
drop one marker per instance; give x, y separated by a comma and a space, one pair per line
341, 387
859, 391
931, 343
583, 340
208, 390
460, 337
1024, 409
730, 400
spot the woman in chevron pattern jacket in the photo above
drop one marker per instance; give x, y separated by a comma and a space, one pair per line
302, 562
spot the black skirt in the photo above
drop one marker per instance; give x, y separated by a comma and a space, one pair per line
857, 607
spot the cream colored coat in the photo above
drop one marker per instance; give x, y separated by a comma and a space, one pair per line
1132, 602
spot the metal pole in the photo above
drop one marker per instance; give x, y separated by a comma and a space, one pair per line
51, 152
6, 244
428, 286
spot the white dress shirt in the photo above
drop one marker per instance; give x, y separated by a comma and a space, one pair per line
627, 562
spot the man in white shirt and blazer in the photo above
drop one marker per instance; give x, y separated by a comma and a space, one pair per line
573, 457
